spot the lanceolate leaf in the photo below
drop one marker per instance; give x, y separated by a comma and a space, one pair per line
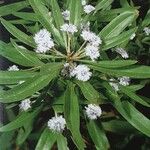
20, 120
75, 11
46, 140
72, 116
12, 77
98, 135
21, 36
29, 87
133, 96
45, 19
61, 142
130, 113
16, 6
140, 72
111, 63
118, 40
89, 92
117, 25
19, 55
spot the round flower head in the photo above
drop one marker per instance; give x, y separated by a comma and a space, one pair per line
66, 14
81, 72
147, 31
88, 9
122, 52
25, 105
93, 111
70, 28
43, 41
57, 124
114, 85
124, 81
132, 36
92, 52
13, 68
91, 37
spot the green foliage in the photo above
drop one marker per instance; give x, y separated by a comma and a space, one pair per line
52, 90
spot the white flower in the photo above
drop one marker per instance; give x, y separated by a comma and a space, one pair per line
122, 52
44, 41
83, 2
88, 9
13, 68
93, 111
81, 72
25, 104
91, 37
69, 28
147, 31
66, 14
20, 82
114, 85
92, 52
124, 81
132, 36
57, 124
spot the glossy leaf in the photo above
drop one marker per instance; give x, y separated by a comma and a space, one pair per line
19, 55
21, 36
46, 140
72, 116
98, 135
12, 77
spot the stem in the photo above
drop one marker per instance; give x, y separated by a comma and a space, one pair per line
58, 53
69, 44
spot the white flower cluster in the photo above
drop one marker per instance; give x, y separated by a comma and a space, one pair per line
25, 105
83, 2
81, 72
122, 52
147, 31
44, 41
88, 9
13, 68
57, 124
70, 28
93, 111
125, 81
66, 14
92, 48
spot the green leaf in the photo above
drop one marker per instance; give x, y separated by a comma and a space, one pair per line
45, 19
12, 77
61, 142
12, 8
21, 36
89, 92
98, 135
111, 63
18, 55
141, 72
24, 132
31, 86
26, 16
133, 96
118, 40
119, 127
103, 4
130, 113
72, 115
117, 25
46, 140
20, 120
146, 20
75, 11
